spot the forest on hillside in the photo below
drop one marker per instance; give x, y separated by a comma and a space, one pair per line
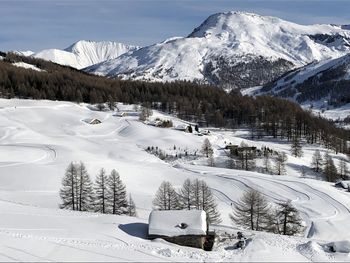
203, 104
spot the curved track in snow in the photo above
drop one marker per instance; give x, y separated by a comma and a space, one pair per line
315, 204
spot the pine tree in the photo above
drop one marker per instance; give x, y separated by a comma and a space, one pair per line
166, 197
280, 163
252, 211
68, 191
207, 149
116, 194
316, 162
131, 211
85, 190
343, 169
289, 219
329, 170
296, 148
101, 192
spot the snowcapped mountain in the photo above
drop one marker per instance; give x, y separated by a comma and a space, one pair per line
84, 53
234, 49
324, 82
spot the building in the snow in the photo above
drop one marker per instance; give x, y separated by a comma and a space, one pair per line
182, 227
343, 184
93, 121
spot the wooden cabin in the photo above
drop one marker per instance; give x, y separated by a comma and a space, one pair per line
182, 227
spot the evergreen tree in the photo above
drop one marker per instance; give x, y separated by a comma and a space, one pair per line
116, 194
68, 191
316, 162
252, 211
86, 194
289, 219
296, 148
166, 197
101, 192
280, 163
131, 211
207, 149
329, 170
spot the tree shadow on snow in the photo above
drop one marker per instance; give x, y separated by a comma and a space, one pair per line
139, 230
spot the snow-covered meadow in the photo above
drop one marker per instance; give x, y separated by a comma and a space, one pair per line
38, 139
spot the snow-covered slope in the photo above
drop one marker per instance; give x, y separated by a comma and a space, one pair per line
323, 86
235, 49
26, 66
38, 139
84, 53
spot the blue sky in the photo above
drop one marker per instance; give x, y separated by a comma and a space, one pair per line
39, 24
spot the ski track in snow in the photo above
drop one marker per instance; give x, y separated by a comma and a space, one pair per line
42, 144
302, 200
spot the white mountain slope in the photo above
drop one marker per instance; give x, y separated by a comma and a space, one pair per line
38, 139
324, 85
85, 53
234, 49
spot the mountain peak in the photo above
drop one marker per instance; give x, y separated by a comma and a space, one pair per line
231, 22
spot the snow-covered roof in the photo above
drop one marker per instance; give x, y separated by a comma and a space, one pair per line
177, 223
343, 183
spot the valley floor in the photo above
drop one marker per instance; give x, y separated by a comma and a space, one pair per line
38, 139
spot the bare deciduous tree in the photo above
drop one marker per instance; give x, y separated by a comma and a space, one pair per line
207, 149
116, 194
101, 192
166, 197
85, 190
296, 148
280, 163
186, 195
343, 169
131, 207
68, 192
252, 211
289, 219
316, 162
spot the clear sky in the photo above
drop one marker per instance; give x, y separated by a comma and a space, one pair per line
39, 24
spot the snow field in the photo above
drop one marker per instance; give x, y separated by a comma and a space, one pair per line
38, 139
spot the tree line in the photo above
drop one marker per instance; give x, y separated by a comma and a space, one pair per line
203, 104
106, 195
325, 165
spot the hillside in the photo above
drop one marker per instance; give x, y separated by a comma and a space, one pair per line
233, 50
83, 53
43, 137
321, 86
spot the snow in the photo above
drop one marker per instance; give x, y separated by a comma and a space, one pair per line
84, 53
341, 246
168, 223
27, 66
235, 36
38, 139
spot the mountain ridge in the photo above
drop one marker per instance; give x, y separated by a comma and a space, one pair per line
233, 50
84, 53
